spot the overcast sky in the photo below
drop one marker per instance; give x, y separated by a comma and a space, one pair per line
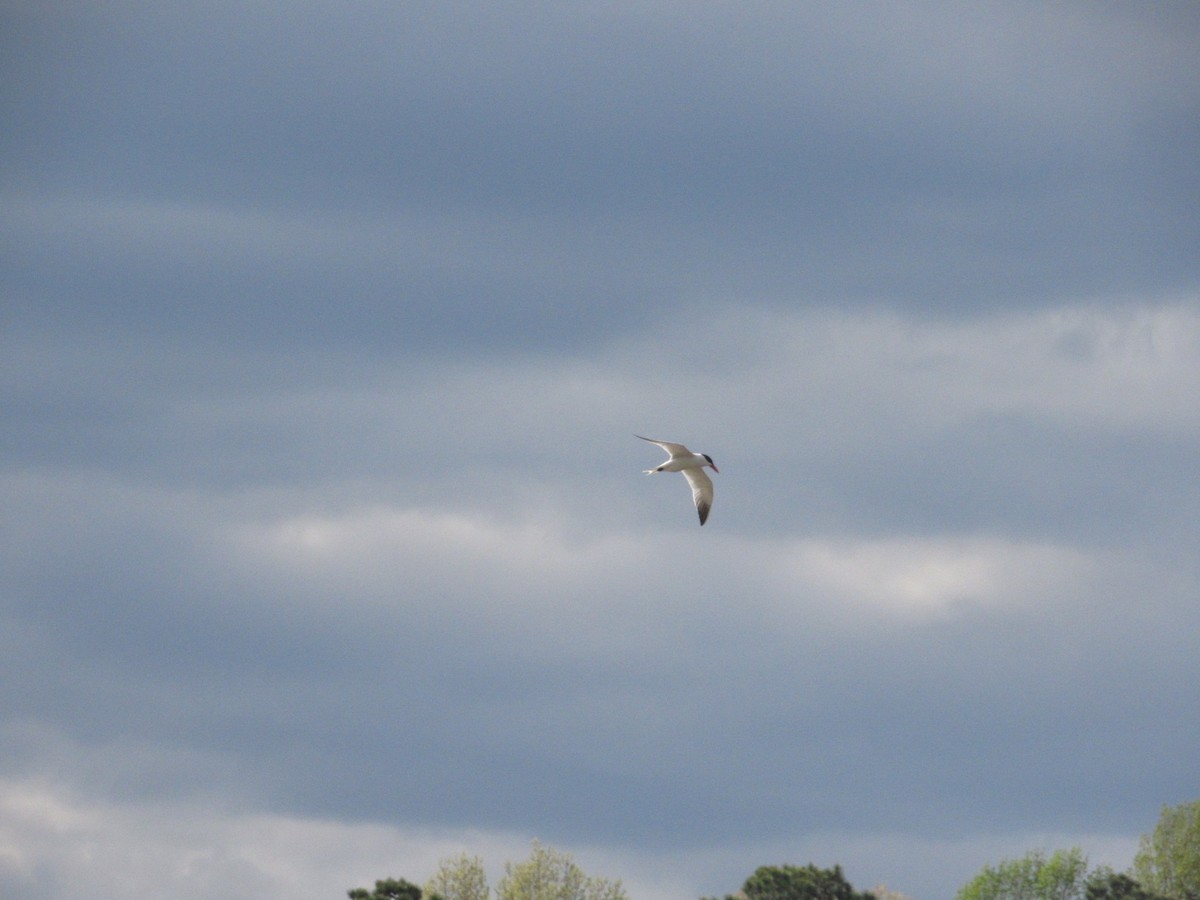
327, 329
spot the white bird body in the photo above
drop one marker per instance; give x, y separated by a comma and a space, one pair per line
692, 465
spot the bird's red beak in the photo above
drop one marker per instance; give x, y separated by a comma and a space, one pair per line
714, 468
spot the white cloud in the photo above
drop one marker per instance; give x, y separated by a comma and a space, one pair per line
471, 573
56, 844
929, 577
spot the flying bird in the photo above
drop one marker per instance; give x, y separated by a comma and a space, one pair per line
692, 465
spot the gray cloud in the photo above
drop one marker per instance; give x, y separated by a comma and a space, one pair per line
496, 587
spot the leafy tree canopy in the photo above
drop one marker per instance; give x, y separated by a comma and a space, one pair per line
550, 874
459, 878
1035, 876
1168, 860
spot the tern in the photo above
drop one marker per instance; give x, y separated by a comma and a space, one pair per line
692, 465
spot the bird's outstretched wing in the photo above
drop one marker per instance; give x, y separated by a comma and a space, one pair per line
673, 449
702, 491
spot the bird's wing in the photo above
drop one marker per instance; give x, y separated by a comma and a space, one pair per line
673, 449
702, 491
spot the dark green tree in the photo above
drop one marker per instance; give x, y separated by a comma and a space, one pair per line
800, 883
390, 889
1105, 884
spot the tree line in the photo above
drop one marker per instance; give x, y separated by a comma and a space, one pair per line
1166, 867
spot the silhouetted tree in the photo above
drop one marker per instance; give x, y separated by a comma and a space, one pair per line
1105, 884
390, 889
799, 883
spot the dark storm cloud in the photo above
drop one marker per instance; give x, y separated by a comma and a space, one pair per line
540, 177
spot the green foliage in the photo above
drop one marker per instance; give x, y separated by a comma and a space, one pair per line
459, 878
799, 883
1168, 860
389, 889
1035, 876
550, 874
1105, 884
